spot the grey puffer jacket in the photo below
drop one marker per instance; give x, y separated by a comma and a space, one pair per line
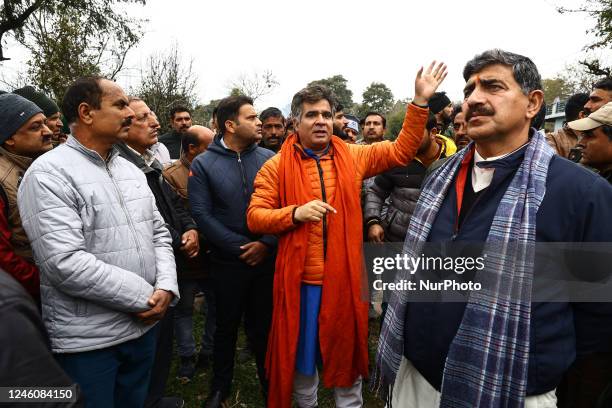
100, 244
403, 184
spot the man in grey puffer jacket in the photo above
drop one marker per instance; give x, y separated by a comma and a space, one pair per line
104, 253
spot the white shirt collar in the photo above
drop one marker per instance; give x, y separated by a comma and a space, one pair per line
223, 143
482, 177
148, 156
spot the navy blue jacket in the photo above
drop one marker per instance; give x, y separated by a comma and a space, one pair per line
220, 187
574, 209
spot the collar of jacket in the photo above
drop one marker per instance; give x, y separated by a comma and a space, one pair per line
21, 161
91, 154
571, 131
185, 162
327, 154
218, 148
137, 160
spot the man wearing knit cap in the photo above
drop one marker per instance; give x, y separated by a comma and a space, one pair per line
49, 108
442, 107
23, 137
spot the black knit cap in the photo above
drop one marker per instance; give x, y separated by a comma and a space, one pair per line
48, 106
438, 101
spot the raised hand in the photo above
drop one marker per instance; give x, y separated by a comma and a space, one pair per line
427, 82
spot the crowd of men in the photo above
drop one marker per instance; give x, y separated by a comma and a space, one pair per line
109, 233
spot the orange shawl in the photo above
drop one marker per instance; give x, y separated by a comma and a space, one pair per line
343, 318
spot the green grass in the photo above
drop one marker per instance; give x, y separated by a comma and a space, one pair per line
245, 390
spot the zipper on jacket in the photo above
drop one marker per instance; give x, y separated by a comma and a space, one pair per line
324, 198
129, 219
244, 182
456, 229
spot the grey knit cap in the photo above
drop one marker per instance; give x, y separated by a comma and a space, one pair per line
15, 110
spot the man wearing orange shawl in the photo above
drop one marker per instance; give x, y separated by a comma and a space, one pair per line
309, 195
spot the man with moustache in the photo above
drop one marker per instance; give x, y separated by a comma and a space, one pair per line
50, 110
309, 195
272, 129
180, 120
459, 127
374, 126
340, 122
23, 137
104, 253
388, 223
508, 190
242, 263
185, 241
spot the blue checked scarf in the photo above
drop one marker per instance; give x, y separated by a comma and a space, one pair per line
488, 358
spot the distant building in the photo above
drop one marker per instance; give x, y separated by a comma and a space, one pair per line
555, 115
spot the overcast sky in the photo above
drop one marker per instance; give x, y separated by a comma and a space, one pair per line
383, 40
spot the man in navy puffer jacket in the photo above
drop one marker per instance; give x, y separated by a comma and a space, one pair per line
220, 188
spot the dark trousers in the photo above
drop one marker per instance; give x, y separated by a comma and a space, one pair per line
241, 290
163, 359
183, 318
116, 376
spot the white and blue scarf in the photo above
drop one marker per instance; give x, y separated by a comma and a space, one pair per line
488, 358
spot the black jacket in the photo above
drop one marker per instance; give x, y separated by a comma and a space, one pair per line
574, 209
25, 354
172, 140
169, 204
220, 187
403, 184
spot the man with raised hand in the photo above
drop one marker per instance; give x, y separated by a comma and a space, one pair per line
309, 194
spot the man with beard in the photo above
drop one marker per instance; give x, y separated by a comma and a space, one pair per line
374, 126
107, 271
340, 122
24, 137
442, 107
500, 347
185, 242
242, 263
50, 110
180, 121
403, 185
601, 94
272, 129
